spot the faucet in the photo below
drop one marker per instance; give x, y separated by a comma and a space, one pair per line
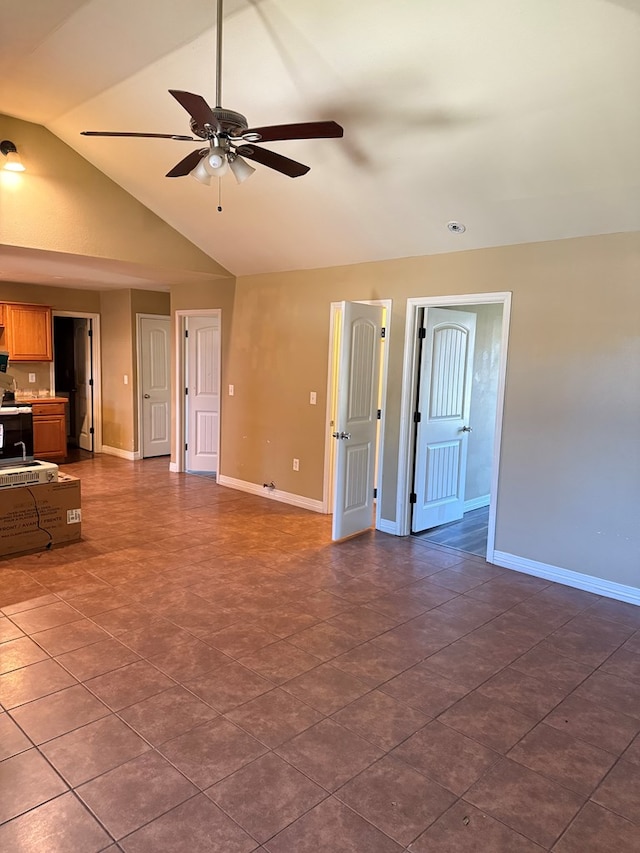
24, 449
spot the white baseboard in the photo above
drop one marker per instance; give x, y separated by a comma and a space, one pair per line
386, 526
131, 455
589, 583
273, 494
477, 503
173, 467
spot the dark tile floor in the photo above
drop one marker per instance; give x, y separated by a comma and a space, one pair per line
468, 534
205, 672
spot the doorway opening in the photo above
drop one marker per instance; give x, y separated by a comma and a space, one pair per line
355, 402
75, 374
455, 368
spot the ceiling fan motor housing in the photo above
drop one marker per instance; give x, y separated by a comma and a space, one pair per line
227, 122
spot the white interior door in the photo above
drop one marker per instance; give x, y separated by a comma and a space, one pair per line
356, 422
155, 385
83, 397
444, 402
203, 394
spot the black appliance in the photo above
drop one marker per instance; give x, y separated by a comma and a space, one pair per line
16, 434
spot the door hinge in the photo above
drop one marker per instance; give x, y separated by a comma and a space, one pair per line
422, 332
91, 383
186, 333
186, 447
379, 415
186, 390
375, 493
90, 333
383, 332
91, 430
417, 417
413, 498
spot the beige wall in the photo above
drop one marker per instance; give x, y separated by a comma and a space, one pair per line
569, 481
117, 362
64, 204
58, 298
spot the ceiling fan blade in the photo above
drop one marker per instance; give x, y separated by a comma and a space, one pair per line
196, 106
274, 161
185, 165
302, 130
141, 135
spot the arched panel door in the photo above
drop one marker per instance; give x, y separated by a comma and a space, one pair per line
444, 403
357, 419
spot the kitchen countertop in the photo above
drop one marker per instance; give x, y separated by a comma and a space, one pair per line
41, 400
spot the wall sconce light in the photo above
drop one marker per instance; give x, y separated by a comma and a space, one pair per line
13, 163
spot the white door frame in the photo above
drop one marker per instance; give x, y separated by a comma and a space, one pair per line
181, 317
139, 318
409, 374
97, 372
332, 378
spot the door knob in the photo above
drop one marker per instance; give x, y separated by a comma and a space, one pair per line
466, 429
147, 396
343, 435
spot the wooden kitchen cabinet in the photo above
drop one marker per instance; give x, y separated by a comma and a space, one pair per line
49, 428
26, 331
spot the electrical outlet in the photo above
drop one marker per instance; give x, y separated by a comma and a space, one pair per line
296, 464
232, 390
32, 377
312, 398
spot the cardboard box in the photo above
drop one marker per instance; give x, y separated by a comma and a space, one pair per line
37, 517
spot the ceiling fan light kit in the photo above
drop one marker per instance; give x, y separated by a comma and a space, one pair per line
229, 136
240, 168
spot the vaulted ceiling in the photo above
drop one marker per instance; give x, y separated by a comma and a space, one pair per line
519, 118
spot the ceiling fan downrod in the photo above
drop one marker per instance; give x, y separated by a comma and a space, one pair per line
219, 56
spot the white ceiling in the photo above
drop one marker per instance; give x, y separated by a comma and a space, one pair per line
520, 118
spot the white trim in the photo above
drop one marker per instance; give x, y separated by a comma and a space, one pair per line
589, 583
139, 318
131, 455
477, 503
497, 437
409, 375
179, 400
329, 445
173, 468
96, 338
327, 488
273, 494
386, 526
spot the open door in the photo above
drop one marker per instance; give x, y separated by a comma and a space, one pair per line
83, 390
442, 416
357, 419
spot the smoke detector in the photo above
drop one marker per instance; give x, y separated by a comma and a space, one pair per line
456, 227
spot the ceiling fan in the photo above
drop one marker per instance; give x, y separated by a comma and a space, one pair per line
229, 137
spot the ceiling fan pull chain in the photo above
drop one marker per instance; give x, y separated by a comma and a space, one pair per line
219, 195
